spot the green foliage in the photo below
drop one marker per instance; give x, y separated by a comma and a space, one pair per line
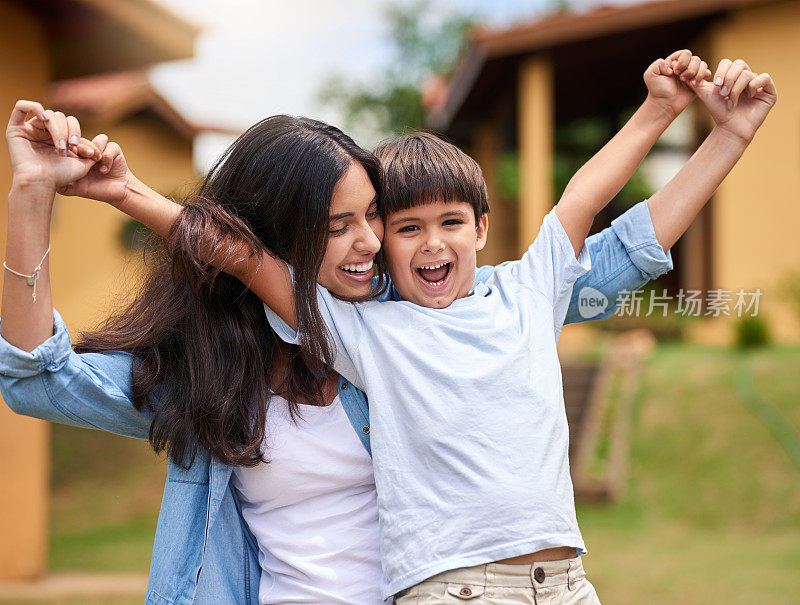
752, 333
508, 176
425, 42
576, 142
134, 235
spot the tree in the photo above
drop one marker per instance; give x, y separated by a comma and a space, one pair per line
425, 42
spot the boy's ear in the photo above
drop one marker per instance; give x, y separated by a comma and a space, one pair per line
482, 230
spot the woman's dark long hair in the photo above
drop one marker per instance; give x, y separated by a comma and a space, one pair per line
203, 350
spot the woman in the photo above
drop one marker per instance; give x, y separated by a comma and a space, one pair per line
268, 498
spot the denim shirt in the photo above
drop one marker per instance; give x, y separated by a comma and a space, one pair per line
203, 550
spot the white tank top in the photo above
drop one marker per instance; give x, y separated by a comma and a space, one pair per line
313, 510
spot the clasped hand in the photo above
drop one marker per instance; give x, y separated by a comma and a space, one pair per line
737, 98
48, 151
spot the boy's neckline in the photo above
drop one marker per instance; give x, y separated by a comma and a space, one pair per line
480, 290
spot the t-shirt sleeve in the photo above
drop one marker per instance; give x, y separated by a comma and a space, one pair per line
345, 326
550, 267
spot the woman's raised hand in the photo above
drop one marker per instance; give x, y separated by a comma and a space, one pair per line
44, 150
738, 98
49, 151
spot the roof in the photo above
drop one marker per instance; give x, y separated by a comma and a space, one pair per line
95, 36
560, 29
109, 98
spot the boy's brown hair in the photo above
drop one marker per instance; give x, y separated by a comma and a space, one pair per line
420, 168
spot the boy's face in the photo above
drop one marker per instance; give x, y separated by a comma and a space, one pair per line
431, 251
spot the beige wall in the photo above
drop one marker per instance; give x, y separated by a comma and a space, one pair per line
757, 208
24, 443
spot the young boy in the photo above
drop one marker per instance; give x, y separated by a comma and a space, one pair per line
469, 433
467, 416
467, 419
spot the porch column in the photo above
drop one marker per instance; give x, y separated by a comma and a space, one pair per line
536, 120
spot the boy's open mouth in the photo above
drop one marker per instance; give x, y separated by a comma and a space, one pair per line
435, 274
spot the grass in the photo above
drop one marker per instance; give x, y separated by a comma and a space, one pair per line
712, 509
711, 512
106, 496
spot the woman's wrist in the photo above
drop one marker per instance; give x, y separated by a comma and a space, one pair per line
26, 185
32, 198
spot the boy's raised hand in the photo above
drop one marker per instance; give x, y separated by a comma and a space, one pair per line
738, 99
668, 80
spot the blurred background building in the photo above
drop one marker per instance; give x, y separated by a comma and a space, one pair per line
76, 55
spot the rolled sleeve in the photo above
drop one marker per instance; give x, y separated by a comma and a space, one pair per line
50, 356
90, 390
635, 231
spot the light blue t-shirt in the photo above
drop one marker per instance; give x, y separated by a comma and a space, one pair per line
468, 428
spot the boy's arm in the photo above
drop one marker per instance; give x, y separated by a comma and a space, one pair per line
604, 175
625, 256
737, 115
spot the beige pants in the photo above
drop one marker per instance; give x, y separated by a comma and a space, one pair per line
546, 583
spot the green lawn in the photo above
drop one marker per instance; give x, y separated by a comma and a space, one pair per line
106, 495
712, 510
711, 514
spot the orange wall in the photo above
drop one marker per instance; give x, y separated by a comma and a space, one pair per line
757, 208
90, 269
24, 443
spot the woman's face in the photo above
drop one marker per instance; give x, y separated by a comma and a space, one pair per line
355, 235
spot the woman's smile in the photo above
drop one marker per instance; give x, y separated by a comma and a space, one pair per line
359, 271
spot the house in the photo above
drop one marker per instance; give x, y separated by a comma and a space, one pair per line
514, 87
46, 41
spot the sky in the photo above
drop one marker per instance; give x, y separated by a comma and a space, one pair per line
256, 58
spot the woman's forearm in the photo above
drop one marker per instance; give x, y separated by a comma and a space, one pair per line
149, 207
674, 206
604, 175
266, 276
27, 323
